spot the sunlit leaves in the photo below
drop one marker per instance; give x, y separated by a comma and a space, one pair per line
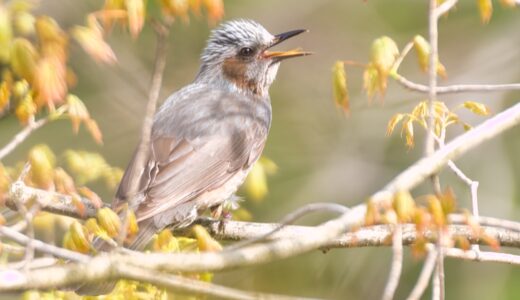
485, 8
42, 162
6, 33
136, 13
442, 117
215, 9
383, 54
372, 81
404, 206
477, 108
91, 40
339, 86
77, 238
89, 166
5, 94
78, 113
166, 242
423, 50
109, 221
24, 58
5, 181
256, 181
205, 241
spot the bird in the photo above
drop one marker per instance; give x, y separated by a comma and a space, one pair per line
206, 136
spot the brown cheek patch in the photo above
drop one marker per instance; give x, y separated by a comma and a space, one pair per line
235, 70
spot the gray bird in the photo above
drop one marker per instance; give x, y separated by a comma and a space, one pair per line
206, 136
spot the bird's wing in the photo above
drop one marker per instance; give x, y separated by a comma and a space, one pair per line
180, 168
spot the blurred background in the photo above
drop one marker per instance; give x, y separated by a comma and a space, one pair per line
322, 156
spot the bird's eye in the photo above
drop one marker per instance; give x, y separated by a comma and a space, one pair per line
246, 51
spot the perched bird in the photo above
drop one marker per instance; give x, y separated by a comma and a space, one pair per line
207, 136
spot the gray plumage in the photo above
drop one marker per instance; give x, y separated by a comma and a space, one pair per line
206, 136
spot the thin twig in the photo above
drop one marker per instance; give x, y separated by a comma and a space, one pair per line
291, 218
424, 277
191, 286
41, 246
397, 264
432, 76
162, 32
444, 7
21, 136
457, 88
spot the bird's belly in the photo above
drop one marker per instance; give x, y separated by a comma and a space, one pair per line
219, 195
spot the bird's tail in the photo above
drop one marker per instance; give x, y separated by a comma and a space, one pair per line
146, 231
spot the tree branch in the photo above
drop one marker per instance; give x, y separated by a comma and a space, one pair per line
21, 136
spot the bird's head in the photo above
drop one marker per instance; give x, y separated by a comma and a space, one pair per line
238, 55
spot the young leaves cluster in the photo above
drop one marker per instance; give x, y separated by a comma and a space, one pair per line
442, 116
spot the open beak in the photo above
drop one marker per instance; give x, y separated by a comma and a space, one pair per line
281, 55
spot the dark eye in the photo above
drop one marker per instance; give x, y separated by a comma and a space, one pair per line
246, 51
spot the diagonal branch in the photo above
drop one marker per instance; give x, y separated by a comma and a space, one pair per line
21, 136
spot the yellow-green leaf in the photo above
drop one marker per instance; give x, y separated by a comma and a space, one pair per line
24, 58
205, 241
383, 54
136, 14
393, 123
6, 34
93, 43
256, 182
404, 206
477, 108
5, 94
485, 8
42, 162
109, 221
422, 48
339, 86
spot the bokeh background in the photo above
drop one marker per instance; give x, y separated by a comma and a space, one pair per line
322, 156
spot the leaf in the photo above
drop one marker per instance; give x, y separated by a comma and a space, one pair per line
92, 196
5, 95
23, 59
372, 215
176, 8
42, 162
393, 123
77, 111
205, 241
215, 9
383, 54
63, 182
109, 221
485, 8
256, 182
166, 242
85, 166
79, 237
136, 11
92, 42
408, 132
270, 166
508, 3
339, 86
477, 108
372, 82
435, 208
6, 34
422, 48
94, 131
404, 206
24, 23
50, 82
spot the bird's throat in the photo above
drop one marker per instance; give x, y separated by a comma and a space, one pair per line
235, 70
